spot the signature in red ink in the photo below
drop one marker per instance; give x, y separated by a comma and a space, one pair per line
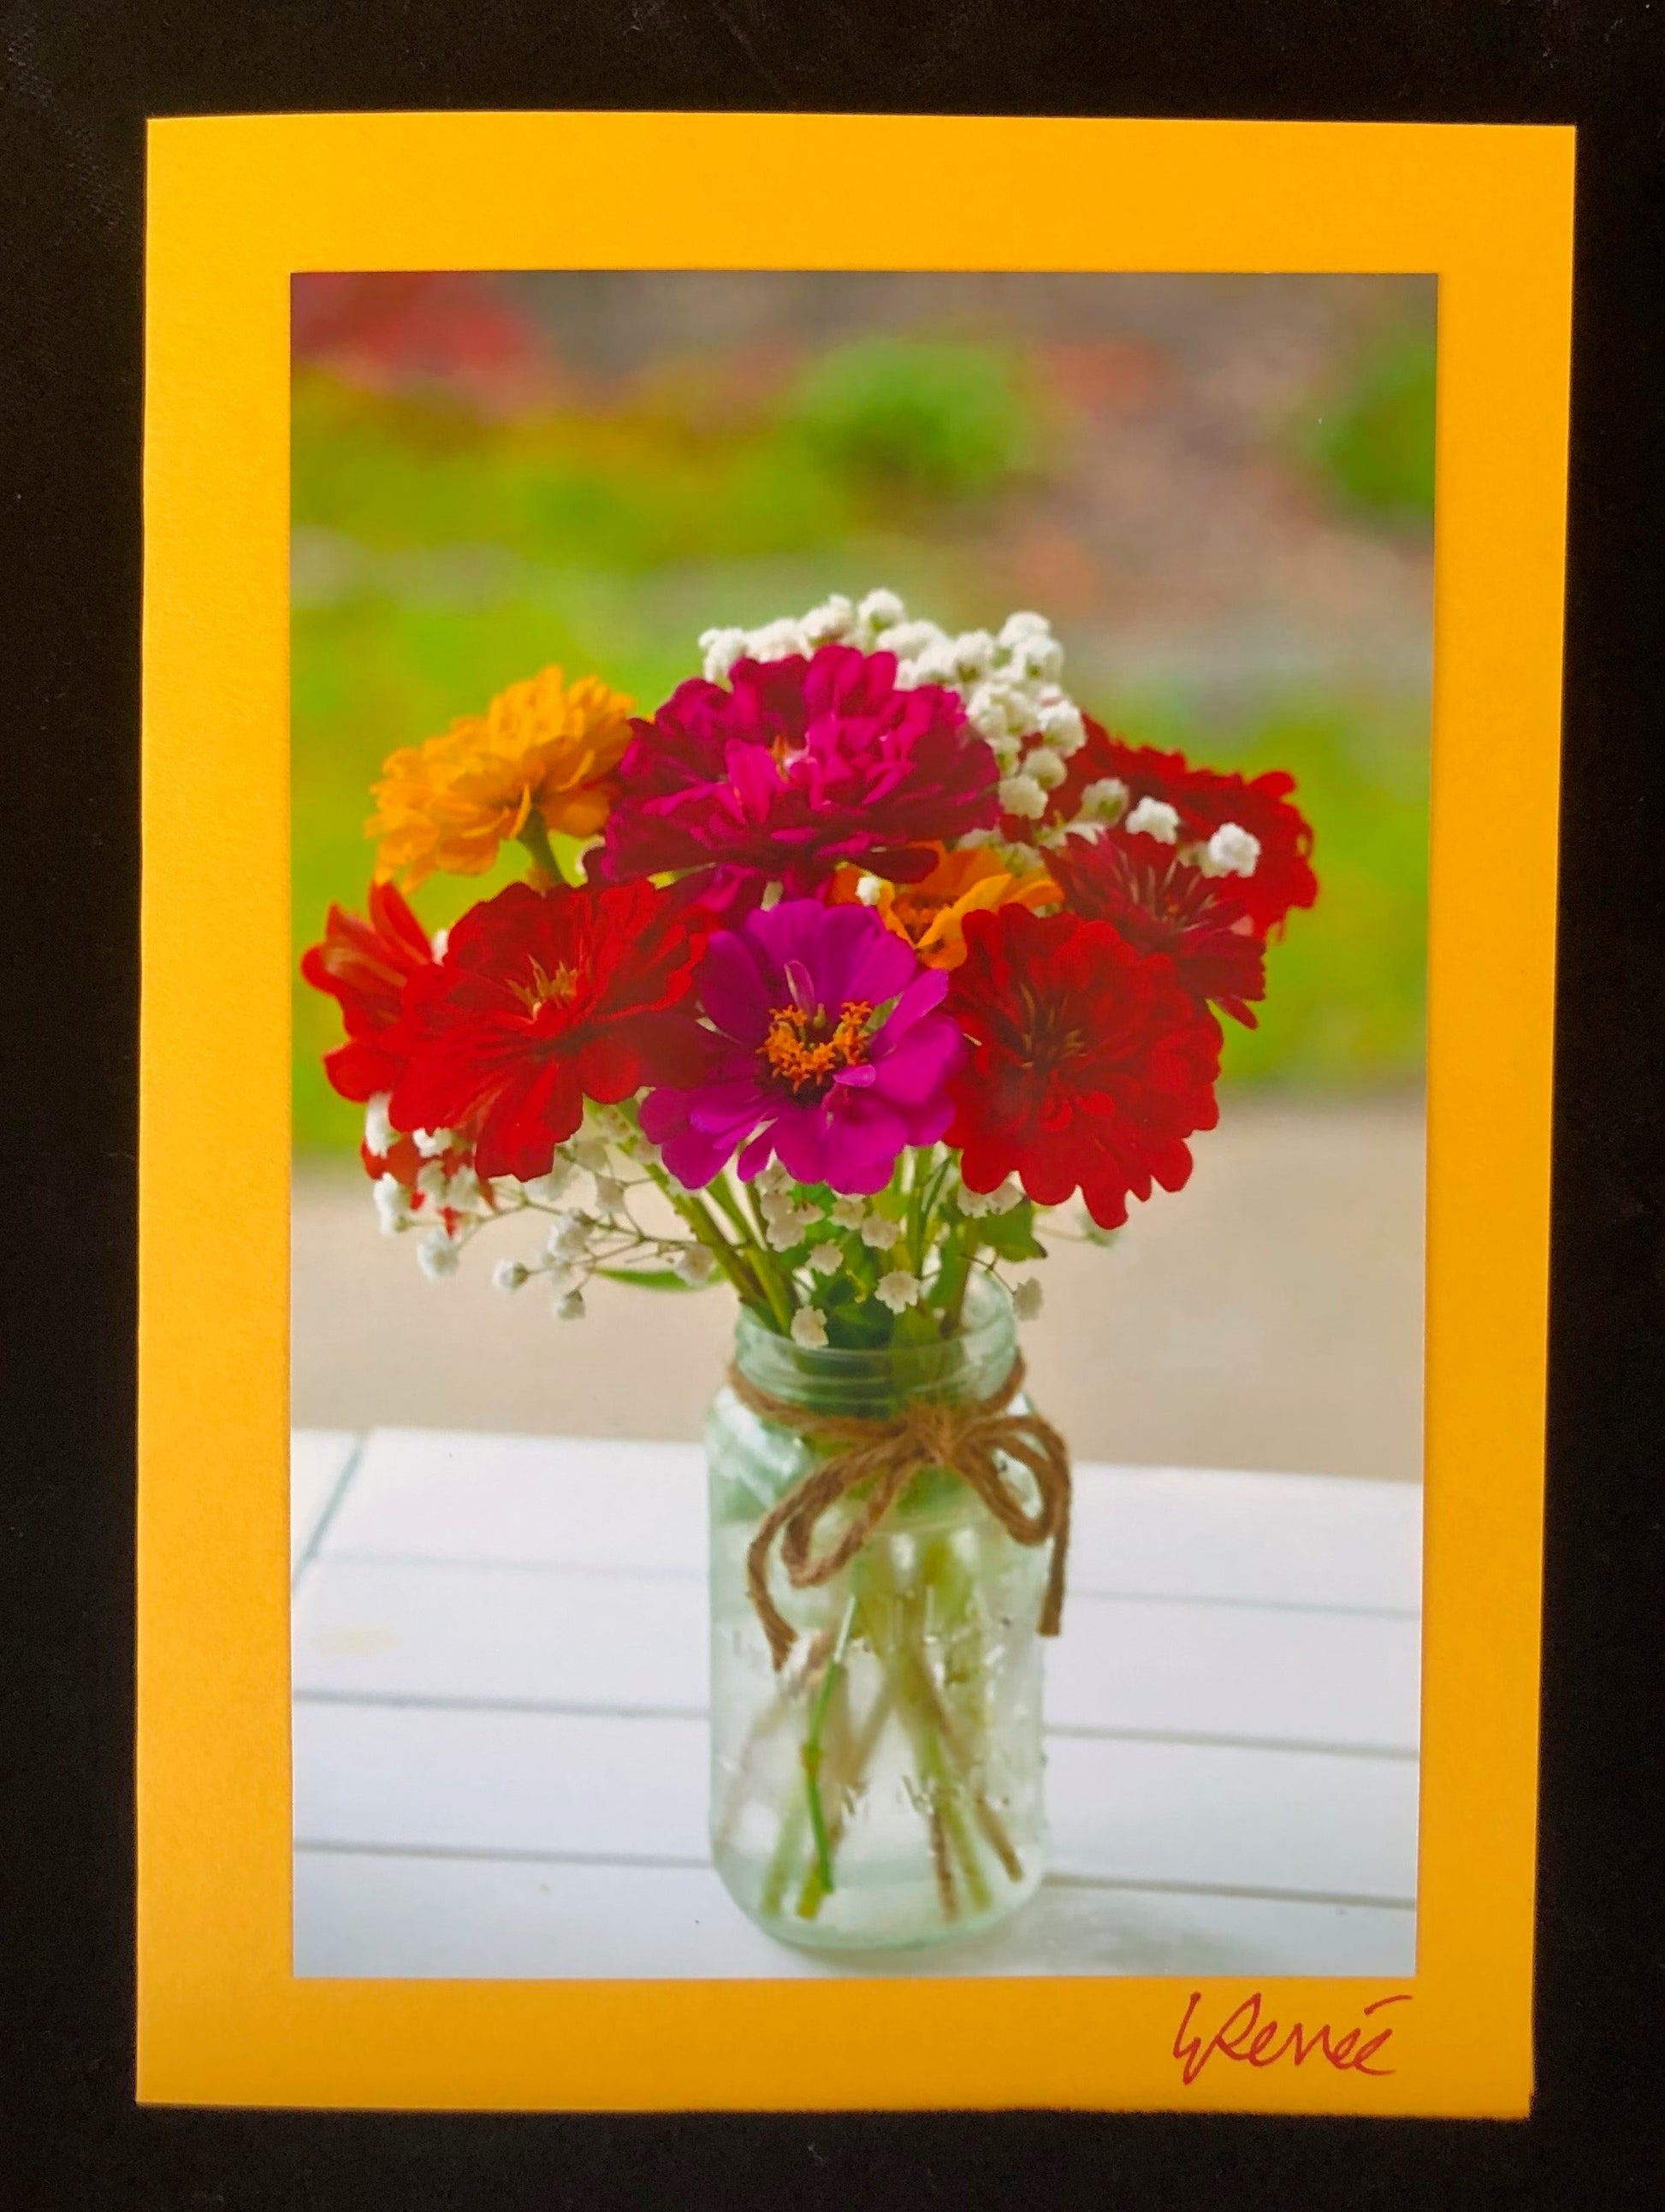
1245, 2037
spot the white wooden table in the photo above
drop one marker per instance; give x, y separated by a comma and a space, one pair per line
500, 1685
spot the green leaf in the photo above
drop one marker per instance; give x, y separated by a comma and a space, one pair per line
915, 1325
652, 1279
1011, 1236
859, 1326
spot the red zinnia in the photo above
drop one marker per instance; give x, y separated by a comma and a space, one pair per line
1089, 1065
365, 965
797, 768
1159, 904
546, 998
1204, 800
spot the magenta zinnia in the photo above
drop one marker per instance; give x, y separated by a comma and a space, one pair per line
826, 1049
794, 768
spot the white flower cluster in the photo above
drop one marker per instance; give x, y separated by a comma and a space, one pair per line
1231, 851
446, 1202
453, 1206
1010, 683
976, 1203
837, 621
785, 1219
809, 1328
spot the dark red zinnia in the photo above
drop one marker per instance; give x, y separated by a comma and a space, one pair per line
1205, 800
546, 998
795, 767
1089, 1065
1159, 904
365, 965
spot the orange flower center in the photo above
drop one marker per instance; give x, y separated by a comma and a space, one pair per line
805, 1054
915, 908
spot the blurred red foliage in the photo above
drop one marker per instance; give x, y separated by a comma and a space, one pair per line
1108, 375
389, 329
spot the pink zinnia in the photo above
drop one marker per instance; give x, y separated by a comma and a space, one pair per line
807, 1058
800, 766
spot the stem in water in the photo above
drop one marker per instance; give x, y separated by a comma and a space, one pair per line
812, 1748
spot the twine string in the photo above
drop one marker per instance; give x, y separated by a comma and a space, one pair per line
969, 1440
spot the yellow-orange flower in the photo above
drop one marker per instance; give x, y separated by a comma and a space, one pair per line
931, 914
542, 747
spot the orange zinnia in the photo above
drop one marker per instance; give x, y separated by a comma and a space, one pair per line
930, 915
542, 747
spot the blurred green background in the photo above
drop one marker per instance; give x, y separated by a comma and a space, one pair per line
1220, 489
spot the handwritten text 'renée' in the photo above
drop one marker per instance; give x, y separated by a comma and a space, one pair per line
1244, 2037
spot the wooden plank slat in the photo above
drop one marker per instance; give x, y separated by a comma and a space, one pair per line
639, 1642
556, 1636
1152, 1532
382, 1915
1269, 1539
1316, 1823
1304, 1823
1197, 1667
527, 1501
317, 1460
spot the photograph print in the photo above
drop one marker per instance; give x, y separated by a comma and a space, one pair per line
859, 883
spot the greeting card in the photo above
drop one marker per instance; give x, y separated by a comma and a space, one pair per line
848, 910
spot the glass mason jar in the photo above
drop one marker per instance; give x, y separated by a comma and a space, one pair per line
884, 1787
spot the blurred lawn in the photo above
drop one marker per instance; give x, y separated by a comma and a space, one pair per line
440, 557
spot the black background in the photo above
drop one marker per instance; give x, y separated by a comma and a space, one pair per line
80, 78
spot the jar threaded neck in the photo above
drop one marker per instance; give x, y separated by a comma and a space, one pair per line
874, 1383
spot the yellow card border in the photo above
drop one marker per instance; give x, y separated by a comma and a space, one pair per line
236, 203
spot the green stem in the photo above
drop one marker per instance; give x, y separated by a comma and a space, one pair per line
959, 1252
927, 1218
915, 1211
953, 1820
780, 1867
931, 1761
926, 1725
973, 1245
775, 1287
812, 1748
749, 1213
957, 1586
860, 1750
699, 1219
725, 1198
535, 838
791, 1823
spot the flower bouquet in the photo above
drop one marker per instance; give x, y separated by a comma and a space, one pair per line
830, 979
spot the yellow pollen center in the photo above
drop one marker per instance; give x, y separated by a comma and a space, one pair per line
559, 989
917, 910
804, 1054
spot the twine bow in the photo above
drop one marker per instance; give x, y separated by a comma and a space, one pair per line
967, 1439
